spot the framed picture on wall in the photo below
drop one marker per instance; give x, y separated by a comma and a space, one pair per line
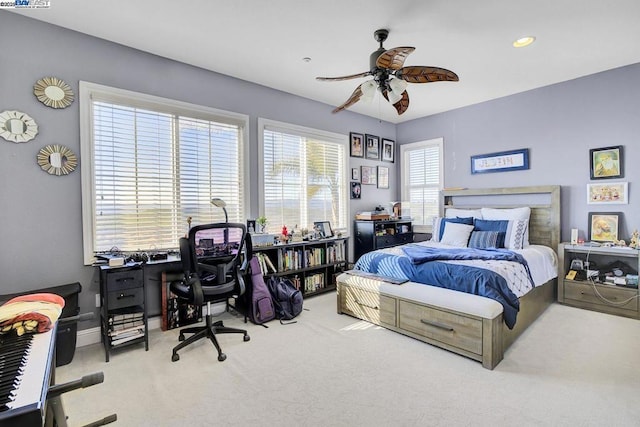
356, 144
368, 175
373, 147
388, 149
355, 174
604, 226
356, 190
611, 193
383, 177
606, 162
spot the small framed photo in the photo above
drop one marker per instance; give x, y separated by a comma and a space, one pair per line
611, 193
356, 144
324, 228
368, 175
606, 162
251, 225
355, 174
373, 147
388, 150
604, 226
356, 190
383, 177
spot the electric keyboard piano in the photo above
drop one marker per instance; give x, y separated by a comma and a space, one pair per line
26, 367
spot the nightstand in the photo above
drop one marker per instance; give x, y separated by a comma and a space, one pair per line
595, 294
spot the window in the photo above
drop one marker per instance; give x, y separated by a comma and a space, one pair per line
151, 163
304, 176
422, 180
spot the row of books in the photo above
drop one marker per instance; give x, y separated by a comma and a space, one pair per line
314, 283
335, 253
126, 327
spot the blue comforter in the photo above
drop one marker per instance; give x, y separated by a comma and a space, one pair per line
422, 264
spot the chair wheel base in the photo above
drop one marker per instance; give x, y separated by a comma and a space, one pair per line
246, 338
181, 337
175, 357
222, 357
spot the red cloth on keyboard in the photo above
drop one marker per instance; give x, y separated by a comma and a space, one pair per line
31, 313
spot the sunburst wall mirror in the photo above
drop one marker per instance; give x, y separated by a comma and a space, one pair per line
57, 159
53, 92
16, 126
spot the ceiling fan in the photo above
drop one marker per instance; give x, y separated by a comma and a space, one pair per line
390, 76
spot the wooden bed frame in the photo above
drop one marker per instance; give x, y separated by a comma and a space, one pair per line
466, 324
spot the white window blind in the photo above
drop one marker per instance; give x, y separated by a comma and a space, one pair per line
304, 177
422, 181
153, 165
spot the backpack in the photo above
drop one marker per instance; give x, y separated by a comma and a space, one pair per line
287, 300
261, 307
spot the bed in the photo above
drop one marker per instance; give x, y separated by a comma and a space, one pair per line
467, 324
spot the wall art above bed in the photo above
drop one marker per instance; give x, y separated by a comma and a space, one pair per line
502, 161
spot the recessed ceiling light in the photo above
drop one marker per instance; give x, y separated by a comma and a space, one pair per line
306, 59
524, 41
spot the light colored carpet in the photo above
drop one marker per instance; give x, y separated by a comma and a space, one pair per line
572, 367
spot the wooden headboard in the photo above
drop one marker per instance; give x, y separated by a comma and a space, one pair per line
544, 201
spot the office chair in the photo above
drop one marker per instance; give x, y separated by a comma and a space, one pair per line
214, 266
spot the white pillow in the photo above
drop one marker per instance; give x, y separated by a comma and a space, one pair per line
462, 213
509, 214
456, 234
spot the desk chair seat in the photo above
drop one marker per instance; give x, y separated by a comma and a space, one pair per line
215, 275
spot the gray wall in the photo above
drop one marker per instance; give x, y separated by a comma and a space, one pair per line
41, 215
558, 124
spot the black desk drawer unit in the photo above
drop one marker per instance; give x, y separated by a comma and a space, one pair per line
123, 307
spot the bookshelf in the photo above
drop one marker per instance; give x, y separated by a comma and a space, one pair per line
310, 265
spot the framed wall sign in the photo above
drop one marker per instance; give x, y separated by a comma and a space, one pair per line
357, 144
604, 226
373, 147
502, 161
606, 162
611, 193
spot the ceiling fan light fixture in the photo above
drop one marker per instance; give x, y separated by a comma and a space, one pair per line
368, 89
524, 41
396, 87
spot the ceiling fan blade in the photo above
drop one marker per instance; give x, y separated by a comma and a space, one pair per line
418, 74
352, 76
402, 105
355, 97
394, 58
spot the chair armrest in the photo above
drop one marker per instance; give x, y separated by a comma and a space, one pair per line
196, 286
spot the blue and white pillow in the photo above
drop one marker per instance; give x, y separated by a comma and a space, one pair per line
484, 239
511, 233
439, 224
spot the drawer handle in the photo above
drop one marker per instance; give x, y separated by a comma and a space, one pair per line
123, 296
437, 325
366, 305
124, 279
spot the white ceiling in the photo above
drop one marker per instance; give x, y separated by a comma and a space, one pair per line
264, 41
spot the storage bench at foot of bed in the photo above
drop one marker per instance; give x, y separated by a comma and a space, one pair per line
462, 323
